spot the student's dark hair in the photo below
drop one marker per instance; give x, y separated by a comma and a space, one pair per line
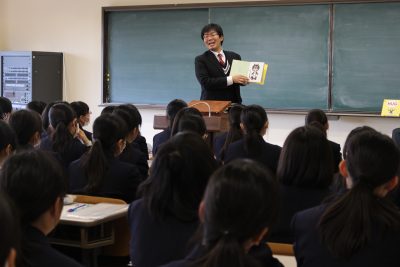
239, 203
189, 119
108, 110
25, 124
37, 106
34, 180
9, 227
60, 116
172, 109
80, 108
129, 118
253, 118
178, 176
346, 226
45, 114
306, 159
212, 27
317, 115
235, 132
107, 130
7, 136
134, 111
353, 132
5, 104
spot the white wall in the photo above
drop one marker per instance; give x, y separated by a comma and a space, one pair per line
74, 28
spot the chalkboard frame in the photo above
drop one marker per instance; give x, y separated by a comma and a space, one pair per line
106, 10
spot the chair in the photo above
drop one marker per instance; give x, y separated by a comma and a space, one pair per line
281, 249
120, 248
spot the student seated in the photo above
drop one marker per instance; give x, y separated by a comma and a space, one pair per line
305, 172
99, 172
9, 232
28, 127
165, 218
172, 109
396, 136
361, 227
189, 119
318, 115
7, 141
254, 122
237, 211
37, 106
222, 141
35, 183
63, 130
83, 115
132, 153
6, 108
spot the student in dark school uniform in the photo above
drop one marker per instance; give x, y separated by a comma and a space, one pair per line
99, 172
35, 183
238, 209
165, 218
396, 136
172, 109
305, 172
252, 145
189, 119
27, 125
37, 106
6, 108
8, 141
62, 139
221, 142
9, 232
83, 115
360, 227
131, 153
317, 115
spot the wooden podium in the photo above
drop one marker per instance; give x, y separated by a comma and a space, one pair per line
213, 113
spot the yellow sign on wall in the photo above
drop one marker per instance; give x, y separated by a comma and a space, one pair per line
391, 107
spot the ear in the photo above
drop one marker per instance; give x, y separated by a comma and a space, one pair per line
326, 126
202, 211
392, 183
343, 168
242, 126
35, 139
9, 149
11, 258
266, 125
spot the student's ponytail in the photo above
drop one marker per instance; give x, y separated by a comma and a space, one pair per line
346, 225
95, 165
60, 116
235, 132
253, 118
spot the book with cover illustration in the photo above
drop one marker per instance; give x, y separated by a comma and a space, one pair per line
255, 71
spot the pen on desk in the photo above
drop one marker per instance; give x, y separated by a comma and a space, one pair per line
77, 207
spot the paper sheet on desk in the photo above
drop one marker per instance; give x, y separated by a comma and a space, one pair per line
93, 212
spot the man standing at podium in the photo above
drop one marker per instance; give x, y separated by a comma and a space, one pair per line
213, 68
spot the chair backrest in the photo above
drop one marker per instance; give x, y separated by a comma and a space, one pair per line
120, 247
281, 249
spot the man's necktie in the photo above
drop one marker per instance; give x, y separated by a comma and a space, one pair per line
221, 60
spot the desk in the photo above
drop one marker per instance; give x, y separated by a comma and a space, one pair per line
89, 227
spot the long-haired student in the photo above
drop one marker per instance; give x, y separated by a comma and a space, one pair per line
35, 182
165, 218
254, 122
28, 128
361, 227
237, 211
9, 232
7, 141
99, 172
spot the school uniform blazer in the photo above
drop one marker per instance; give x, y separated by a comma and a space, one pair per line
269, 155
219, 142
141, 143
293, 200
121, 180
212, 78
160, 139
382, 250
133, 155
38, 252
261, 254
336, 155
396, 136
156, 242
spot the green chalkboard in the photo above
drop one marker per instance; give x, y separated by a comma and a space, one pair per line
293, 40
366, 53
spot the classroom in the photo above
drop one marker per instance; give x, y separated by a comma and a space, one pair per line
75, 28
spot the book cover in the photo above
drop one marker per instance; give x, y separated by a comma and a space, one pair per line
255, 71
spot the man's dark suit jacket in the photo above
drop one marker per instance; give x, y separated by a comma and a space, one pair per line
382, 250
160, 139
212, 78
336, 155
269, 155
396, 136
